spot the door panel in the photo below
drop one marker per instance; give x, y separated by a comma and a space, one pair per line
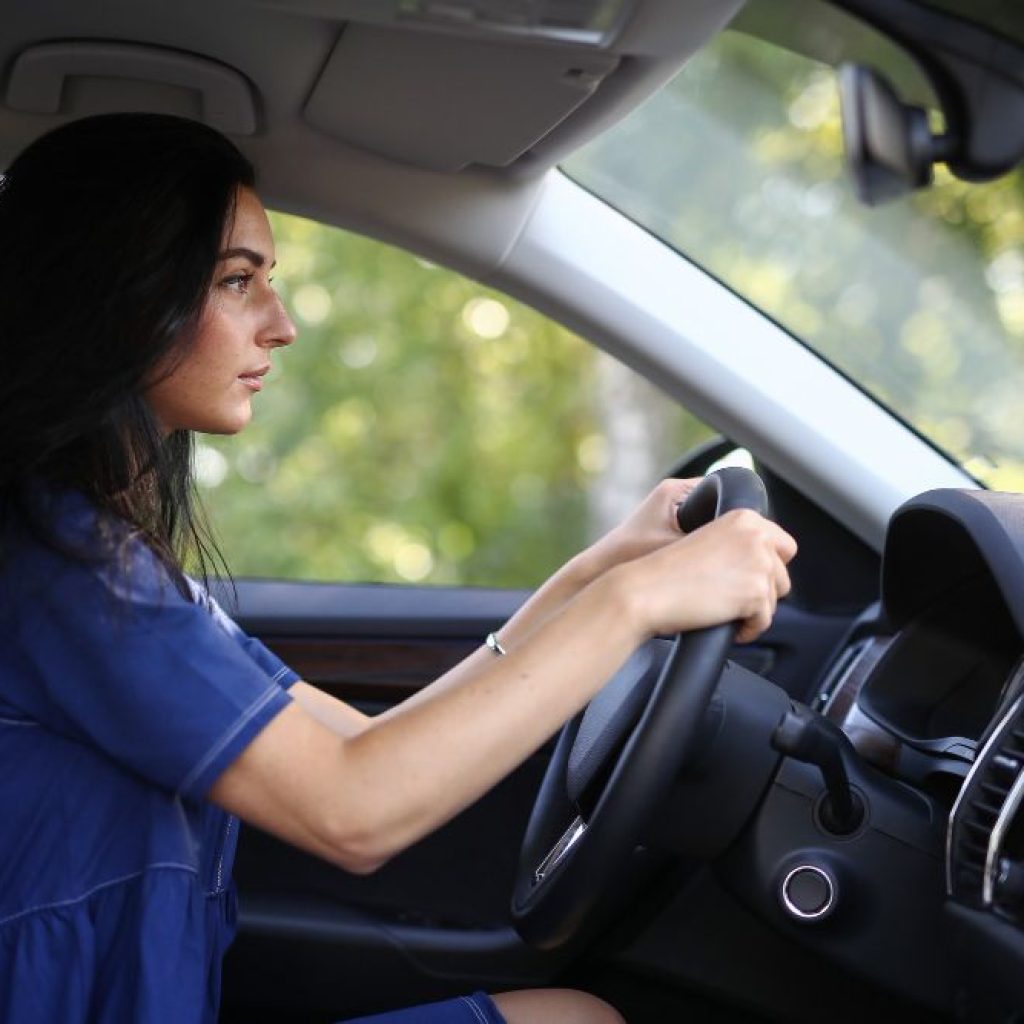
373, 671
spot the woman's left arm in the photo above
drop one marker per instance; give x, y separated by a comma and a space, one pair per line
651, 526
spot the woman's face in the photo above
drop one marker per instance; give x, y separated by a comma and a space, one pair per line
211, 388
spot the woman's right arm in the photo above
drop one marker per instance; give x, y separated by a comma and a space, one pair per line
357, 800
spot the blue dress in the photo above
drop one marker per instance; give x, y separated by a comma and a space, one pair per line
121, 702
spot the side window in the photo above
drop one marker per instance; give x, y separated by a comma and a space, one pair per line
426, 429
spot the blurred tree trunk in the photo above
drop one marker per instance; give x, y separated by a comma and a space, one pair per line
632, 419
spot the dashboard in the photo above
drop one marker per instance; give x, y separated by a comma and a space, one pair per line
930, 691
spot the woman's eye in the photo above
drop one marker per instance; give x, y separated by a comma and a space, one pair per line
238, 282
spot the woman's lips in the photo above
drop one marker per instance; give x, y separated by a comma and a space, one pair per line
253, 379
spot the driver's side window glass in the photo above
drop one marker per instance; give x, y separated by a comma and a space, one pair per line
426, 429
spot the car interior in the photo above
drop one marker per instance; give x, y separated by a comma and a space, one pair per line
827, 821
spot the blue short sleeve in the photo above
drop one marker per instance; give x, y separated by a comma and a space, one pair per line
126, 663
266, 659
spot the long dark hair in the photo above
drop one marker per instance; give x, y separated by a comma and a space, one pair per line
110, 229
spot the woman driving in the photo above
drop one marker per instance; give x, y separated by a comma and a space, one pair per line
138, 723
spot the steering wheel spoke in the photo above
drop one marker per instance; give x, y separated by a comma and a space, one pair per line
569, 838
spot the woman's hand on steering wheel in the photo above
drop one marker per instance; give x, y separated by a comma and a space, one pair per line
732, 569
650, 526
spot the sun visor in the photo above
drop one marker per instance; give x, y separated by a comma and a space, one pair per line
941, 539
444, 102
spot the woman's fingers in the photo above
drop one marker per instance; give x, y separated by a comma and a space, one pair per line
783, 584
650, 526
658, 509
731, 570
771, 582
677, 492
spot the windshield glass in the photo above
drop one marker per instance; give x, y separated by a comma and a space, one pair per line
738, 165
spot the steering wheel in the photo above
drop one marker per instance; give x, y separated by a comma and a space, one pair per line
566, 874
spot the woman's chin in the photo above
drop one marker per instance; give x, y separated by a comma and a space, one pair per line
229, 422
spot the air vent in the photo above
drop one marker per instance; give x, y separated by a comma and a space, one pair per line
977, 858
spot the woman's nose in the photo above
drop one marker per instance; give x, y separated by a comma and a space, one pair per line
281, 329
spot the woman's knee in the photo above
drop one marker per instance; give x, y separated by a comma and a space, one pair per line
564, 1005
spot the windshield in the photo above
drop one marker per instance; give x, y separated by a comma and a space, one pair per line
738, 165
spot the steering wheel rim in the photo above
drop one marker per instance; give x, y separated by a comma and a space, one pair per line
563, 877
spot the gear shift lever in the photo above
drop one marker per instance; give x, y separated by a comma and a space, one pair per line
806, 736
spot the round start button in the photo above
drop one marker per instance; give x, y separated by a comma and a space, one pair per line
808, 892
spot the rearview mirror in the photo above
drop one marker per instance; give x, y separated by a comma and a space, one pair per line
890, 148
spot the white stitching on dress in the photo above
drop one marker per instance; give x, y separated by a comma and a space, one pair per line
92, 892
474, 1009
272, 691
